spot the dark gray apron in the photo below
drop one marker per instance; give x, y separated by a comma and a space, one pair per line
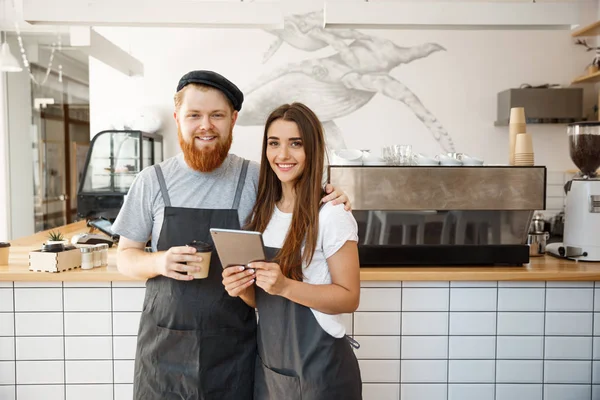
297, 359
195, 342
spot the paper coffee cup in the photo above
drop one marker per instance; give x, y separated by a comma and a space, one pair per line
4, 250
514, 129
517, 115
205, 250
524, 144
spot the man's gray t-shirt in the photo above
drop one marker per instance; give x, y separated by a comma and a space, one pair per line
142, 212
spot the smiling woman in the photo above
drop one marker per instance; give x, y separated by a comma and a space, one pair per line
313, 273
286, 154
292, 168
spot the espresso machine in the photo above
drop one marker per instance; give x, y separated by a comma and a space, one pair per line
581, 238
442, 215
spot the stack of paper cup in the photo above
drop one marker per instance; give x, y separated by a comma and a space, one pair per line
523, 150
516, 125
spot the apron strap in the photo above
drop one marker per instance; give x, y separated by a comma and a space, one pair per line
353, 342
163, 185
240, 186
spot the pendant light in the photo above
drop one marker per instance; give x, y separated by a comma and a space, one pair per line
8, 62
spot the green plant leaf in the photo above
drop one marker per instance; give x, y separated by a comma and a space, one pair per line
55, 236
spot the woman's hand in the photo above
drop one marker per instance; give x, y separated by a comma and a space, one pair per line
237, 280
269, 278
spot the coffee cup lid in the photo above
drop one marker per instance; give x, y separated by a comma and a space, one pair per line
200, 246
4, 244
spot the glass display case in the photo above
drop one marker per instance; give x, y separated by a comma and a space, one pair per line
113, 161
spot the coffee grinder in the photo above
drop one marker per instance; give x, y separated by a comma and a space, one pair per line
581, 238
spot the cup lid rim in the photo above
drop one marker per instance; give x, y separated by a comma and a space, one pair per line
4, 244
199, 245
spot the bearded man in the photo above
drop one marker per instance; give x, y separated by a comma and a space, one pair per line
194, 340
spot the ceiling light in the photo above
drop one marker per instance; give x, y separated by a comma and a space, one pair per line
451, 15
155, 13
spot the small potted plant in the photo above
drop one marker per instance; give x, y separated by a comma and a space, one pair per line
55, 237
56, 242
593, 66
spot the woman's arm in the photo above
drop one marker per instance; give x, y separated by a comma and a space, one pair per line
341, 296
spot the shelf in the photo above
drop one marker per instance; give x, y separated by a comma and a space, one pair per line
588, 30
565, 121
595, 77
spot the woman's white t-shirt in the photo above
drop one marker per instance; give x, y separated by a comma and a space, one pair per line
336, 227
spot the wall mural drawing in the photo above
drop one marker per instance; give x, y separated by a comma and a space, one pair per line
340, 84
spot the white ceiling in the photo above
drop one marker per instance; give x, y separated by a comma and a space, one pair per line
42, 36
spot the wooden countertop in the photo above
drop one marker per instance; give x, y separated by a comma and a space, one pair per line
18, 260
545, 268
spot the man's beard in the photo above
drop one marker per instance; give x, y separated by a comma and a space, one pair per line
206, 160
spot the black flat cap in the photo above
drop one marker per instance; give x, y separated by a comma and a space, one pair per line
211, 78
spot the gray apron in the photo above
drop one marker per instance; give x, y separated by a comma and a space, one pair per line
297, 359
195, 342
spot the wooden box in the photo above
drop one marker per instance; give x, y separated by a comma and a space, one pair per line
54, 262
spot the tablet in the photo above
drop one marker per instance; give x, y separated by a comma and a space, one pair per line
237, 247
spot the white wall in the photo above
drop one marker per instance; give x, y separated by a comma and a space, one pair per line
4, 174
459, 86
21, 152
16, 157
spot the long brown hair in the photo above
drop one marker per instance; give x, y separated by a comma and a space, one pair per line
309, 191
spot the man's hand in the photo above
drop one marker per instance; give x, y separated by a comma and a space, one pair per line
237, 280
169, 263
337, 197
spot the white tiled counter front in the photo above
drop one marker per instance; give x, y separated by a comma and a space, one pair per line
68, 340
419, 340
